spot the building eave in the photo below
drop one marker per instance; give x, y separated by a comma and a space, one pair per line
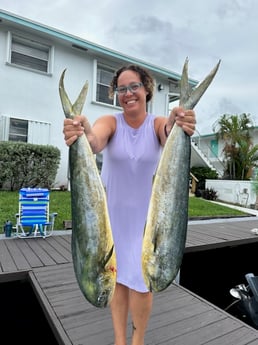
10, 18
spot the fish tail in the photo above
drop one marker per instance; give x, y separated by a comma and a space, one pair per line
79, 103
189, 100
70, 110
66, 103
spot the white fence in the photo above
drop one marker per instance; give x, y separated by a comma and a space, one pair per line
235, 192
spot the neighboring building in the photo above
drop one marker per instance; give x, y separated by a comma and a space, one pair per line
32, 58
212, 150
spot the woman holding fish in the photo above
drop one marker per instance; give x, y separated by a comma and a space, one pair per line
131, 142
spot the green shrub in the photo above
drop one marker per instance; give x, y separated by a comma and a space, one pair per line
209, 194
203, 173
27, 165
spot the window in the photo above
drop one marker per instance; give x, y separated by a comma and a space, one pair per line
104, 77
18, 130
172, 101
34, 132
29, 54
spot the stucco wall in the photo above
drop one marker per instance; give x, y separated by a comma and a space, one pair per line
235, 192
34, 96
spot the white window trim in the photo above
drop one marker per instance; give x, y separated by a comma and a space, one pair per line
50, 60
171, 105
38, 131
94, 89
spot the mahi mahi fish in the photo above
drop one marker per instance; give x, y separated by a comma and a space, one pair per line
93, 250
166, 224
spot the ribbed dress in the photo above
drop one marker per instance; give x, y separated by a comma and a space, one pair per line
129, 163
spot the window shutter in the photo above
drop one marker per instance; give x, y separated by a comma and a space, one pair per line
4, 127
39, 133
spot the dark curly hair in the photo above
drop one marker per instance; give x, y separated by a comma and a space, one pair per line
145, 77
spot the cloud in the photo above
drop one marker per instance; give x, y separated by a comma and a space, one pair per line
164, 33
146, 37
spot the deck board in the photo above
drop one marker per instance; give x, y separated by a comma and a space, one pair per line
179, 316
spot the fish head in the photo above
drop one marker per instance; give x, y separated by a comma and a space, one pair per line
99, 291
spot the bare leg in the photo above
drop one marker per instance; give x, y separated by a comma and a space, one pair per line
140, 305
119, 310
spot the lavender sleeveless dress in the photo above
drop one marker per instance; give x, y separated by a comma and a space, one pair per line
129, 163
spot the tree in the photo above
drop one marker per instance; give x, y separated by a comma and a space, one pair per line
240, 153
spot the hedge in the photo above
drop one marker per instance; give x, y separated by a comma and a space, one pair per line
27, 165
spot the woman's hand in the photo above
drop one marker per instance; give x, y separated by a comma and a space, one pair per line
74, 128
183, 118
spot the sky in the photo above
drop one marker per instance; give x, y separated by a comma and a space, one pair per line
164, 33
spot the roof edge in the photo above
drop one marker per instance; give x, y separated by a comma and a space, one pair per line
88, 45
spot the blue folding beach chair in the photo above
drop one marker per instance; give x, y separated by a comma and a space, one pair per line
33, 218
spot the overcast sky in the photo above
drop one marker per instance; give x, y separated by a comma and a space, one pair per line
165, 32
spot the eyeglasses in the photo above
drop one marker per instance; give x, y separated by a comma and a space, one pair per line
134, 87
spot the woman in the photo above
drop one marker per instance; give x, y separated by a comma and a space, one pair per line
131, 142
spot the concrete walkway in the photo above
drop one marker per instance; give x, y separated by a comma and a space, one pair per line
239, 208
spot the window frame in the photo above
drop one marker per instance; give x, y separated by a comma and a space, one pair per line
29, 53
38, 132
105, 68
172, 101
16, 132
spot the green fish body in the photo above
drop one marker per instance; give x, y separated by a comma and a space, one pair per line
166, 225
93, 250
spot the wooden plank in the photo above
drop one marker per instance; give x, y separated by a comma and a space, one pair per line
65, 241
178, 317
19, 259
54, 323
241, 336
225, 232
176, 312
204, 334
217, 235
50, 249
57, 244
43, 251
28, 253
49, 276
7, 263
12, 276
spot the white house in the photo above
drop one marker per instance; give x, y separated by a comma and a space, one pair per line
32, 58
233, 191
212, 149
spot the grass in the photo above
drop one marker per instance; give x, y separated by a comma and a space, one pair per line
199, 207
60, 202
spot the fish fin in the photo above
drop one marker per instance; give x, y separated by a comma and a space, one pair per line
155, 243
107, 257
150, 287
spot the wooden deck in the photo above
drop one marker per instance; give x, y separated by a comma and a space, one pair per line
179, 316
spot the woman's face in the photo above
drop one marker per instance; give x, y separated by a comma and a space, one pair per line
131, 99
